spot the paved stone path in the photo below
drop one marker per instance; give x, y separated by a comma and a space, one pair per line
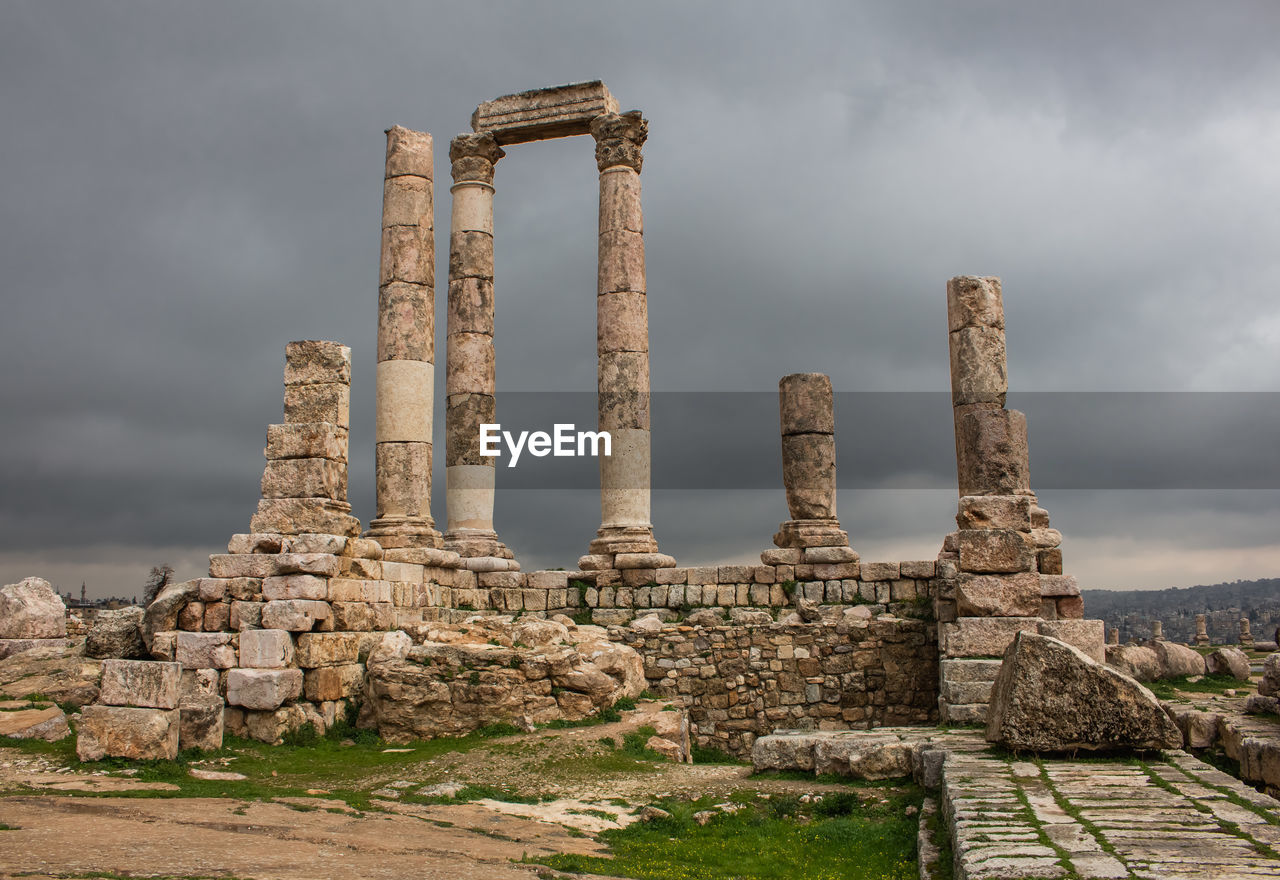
1175, 818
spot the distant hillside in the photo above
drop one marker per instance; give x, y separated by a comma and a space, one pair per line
1132, 611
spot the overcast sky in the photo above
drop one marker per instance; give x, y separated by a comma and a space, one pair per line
186, 187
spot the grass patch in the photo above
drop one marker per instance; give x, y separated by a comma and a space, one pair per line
1208, 684
712, 755
837, 837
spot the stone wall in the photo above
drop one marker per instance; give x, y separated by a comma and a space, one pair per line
742, 681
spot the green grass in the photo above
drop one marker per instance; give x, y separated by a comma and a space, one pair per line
839, 837
1208, 684
712, 755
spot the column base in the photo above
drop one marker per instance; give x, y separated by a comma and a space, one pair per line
295, 516
802, 533
405, 531
624, 547
480, 550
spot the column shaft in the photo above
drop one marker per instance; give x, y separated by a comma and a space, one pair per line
807, 415
406, 346
470, 363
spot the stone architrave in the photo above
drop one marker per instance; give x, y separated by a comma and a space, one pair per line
470, 362
622, 344
406, 346
807, 417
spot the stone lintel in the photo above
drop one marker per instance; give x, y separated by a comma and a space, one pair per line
540, 114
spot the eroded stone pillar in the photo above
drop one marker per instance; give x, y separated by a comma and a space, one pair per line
470, 364
625, 538
1113, 636
1157, 629
1202, 630
406, 346
1246, 635
807, 415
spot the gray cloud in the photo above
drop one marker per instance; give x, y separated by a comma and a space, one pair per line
184, 189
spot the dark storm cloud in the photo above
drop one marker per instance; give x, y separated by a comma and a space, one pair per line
183, 189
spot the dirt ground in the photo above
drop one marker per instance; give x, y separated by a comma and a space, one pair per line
65, 823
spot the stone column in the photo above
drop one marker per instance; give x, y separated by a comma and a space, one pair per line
469, 369
1113, 636
1157, 629
807, 414
1202, 630
625, 538
406, 347
1246, 635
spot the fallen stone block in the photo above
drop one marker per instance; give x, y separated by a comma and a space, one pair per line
28, 720
1228, 661
1270, 684
1177, 661
143, 683
11, 647
263, 689
1051, 697
1136, 661
116, 633
30, 609
126, 732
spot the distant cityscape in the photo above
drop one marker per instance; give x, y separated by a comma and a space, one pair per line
83, 601
1133, 611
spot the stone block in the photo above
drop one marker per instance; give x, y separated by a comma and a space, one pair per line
200, 722
510, 580
311, 362
809, 475
782, 556
562, 111
925, 570
734, 574
305, 478
375, 591
206, 650
995, 512
329, 402
263, 689
256, 543
32, 609
806, 404
968, 671
407, 256
995, 550
836, 571
245, 615
305, 440
126, 732
191, 617
1070, 607
974, 301
318, 564
1049, 561
333, 682
1088, 636
983, 636
408, 152
642, 561
978, 367
352, 617
828, 555
295, 586
327, 649
548, 579
702, 575
880, 571
294, 615
1058, 585
211, 589
140, 683
217, 616
254, 565
1009, 595
266, 649
405, 572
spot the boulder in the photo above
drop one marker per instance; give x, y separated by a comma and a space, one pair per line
1135, 661
1051, 697
30, 609
27, 720
162, 614
116, 634
1270, 684
125, 732
1177, 661
65, 677
1228, 661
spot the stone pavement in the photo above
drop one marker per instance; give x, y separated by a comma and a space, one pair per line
1165, 818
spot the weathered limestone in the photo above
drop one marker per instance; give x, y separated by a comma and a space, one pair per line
1228, 661
622, 343
1050, 697
263, 689
470, 375
807, 416
127, 732
1246, 636
539, 114
1202, 630
304, 482
140, 683
1157, 629
406, 346
30, 609
116, 633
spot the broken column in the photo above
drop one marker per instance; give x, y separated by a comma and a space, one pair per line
469, 371
1003, 565
807, 416
1157, 629
304, 483
406, 346
1246, 635
625, 538
1202, 630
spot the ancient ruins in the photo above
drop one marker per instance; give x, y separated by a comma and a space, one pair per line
307, 619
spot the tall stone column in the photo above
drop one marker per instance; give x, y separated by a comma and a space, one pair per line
807, 415
1202, 630
469, 366
406, 346
625, 538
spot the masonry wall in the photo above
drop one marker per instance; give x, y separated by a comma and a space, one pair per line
740, 682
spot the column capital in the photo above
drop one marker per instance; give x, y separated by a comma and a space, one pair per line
619, 137
473, 156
